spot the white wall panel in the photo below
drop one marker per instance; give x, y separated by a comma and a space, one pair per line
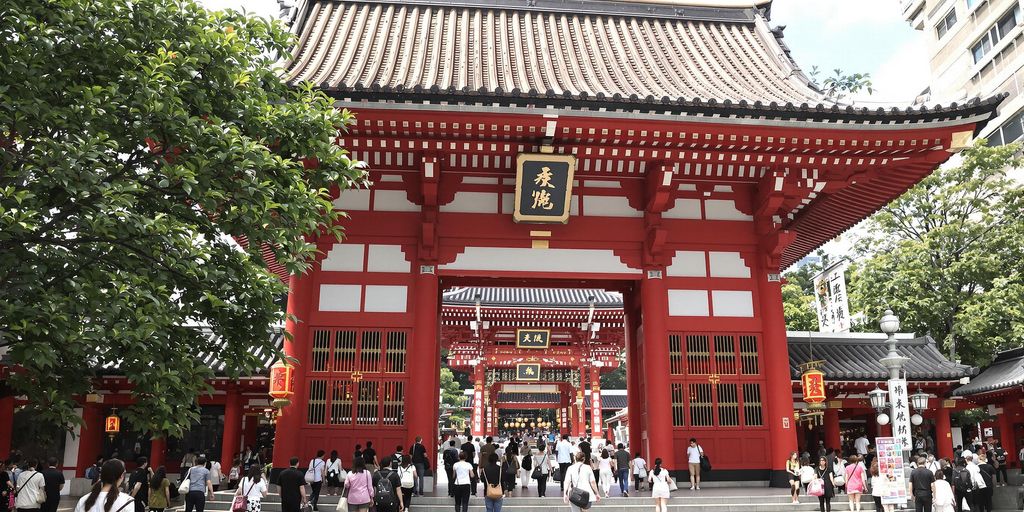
602, 261
386, 258
344, 258
386, 299
393, 201
735, 303
723, 209
688, 303
683, 209
609, 206
340, 297
472, 202
687, 264
728, 264
353, 200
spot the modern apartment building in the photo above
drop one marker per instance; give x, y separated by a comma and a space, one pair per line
974, 49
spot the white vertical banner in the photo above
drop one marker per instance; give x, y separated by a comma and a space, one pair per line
900, 419
900, 414
831, 303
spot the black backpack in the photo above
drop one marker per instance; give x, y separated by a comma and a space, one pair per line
962, 481
450, 457
384, 498
527, 462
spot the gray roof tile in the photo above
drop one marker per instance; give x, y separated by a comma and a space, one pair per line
1006, 371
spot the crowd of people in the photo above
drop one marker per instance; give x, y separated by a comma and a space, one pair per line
964, 482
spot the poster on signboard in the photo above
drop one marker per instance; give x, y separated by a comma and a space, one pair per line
831, 303
893, 466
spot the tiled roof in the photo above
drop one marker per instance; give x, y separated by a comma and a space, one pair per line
1006, 371
595, 53
531, 297
856, 356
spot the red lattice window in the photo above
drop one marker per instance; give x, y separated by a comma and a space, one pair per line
352, 377
716, 380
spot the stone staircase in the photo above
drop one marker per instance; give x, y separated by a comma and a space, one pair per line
757, 500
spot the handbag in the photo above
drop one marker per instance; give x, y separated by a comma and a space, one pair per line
342, 505
672, 486
536, 475
816, 487
556, 474
705, 462
241, 503
310, 475
494, 491
578, 496
185, 482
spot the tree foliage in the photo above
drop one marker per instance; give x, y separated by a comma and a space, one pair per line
452, 396
137, 140
840, 85
948, 256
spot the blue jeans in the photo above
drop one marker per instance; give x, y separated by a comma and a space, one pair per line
624, 480
492, 505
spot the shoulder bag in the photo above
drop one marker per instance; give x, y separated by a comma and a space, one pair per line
186, 482
310, 475
18, 490
705, 462
578, 496
494, 491
342, 502
241, 503
672, 485
816, 487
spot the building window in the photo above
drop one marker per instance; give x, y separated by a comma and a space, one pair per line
363, 388
1009, 132
995, 34
715, 380
946, 23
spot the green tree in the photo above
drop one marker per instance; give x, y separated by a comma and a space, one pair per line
137, 141
798, 308
947, 257
615, 379
452, 395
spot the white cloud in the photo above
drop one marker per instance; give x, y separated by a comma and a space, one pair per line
838, 15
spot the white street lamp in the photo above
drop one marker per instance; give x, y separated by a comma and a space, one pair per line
878, 398
919, 400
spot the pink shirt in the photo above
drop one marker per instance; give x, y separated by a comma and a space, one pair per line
360, 487
855, 477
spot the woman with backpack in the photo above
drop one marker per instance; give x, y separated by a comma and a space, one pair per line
105, 495
509, 470
856, 481
359, 484
334, 474
408, 477
253, 487
525, 464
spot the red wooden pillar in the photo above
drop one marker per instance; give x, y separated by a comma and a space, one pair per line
774, 352
634, 394
232, 429
6, 424
421, 395
832, 433
91, 444
1006, 436
654, 307
943, 433
287, 436
158, 452
596, 417
580, 410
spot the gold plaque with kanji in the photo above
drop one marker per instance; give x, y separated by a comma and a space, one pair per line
533, 338
528, 371
543, 188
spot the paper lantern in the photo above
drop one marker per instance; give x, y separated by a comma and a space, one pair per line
281, 381
813, 383
113, 424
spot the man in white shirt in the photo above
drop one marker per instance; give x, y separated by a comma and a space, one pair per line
861, 445
31, 488
563, 456
693, 453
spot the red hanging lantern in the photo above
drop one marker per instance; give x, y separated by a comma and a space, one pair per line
112, 425
813, 383
281, 383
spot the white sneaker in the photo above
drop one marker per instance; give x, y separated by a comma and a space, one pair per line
698, 487
692, 487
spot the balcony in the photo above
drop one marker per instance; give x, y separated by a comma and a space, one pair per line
913, 12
